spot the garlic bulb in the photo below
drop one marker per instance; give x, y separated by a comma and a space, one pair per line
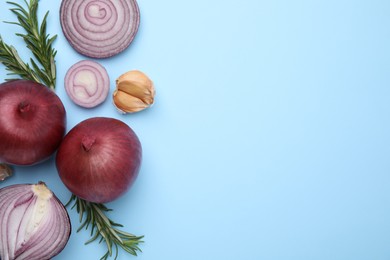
134, 92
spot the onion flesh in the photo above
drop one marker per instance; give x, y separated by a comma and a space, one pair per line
99, 29
99, 159
34, 225
32, 122
87, 83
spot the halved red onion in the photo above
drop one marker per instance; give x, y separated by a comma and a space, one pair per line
97, 28
34, 225
87, 83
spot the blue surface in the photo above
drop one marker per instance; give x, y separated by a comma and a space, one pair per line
269, 138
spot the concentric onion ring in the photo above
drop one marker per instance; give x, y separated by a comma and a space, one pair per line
87, 83
97, 28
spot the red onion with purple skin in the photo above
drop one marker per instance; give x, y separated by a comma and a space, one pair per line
99, 29
87, 83
99, 159
34, 225
32, 122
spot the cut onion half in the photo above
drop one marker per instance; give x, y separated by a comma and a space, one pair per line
34, 224
97, 28
87, 83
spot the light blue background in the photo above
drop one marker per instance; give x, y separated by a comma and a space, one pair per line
269, 138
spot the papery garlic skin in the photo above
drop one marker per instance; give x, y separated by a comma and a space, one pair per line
34, 225
5, 171
134, 92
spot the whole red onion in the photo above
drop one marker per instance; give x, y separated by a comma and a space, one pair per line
32, 122
99, 159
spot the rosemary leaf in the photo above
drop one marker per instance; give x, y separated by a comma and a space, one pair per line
93, 238
94, 215
14, 64
37, 41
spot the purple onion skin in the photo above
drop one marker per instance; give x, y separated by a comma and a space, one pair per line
99, 159
32, 122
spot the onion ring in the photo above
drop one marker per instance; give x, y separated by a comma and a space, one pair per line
97, 28
87, 83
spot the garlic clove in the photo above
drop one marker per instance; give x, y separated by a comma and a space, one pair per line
5, 171
128, 103
138, 90
137, 77
134, 92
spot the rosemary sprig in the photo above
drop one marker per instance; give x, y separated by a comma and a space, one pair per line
39, 43
103, 228
13, 63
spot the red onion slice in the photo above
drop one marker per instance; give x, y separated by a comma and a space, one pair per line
34, 225
97, 28
87, 83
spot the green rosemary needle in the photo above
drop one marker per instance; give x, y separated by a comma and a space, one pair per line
39, 43
94, 215
13, 63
